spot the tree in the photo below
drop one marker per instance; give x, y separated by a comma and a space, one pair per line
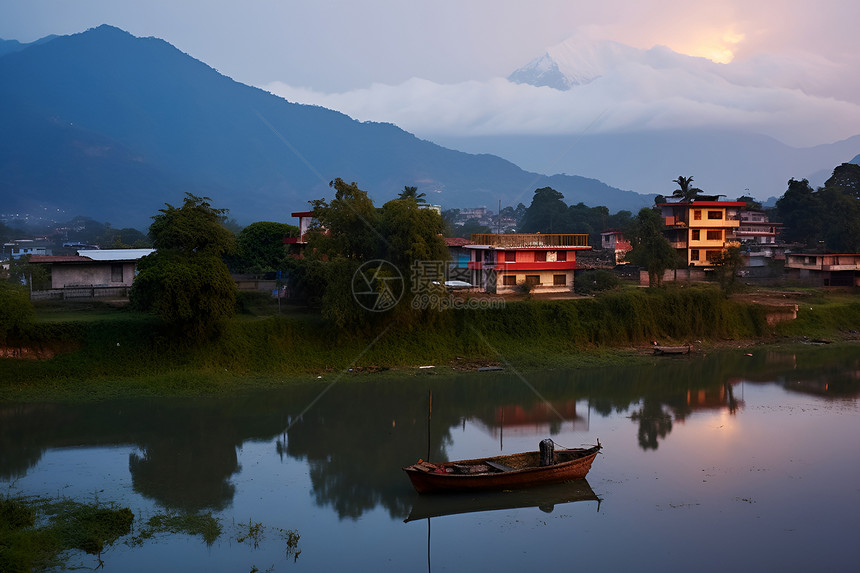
471, 227
685, 190
827, 219
840, 220
16, 311
347, 227
650, 248
412, 193
411, 234
23, 272
727, 266
752, 204
799, 209
546, 214
186, 282
196, 227
520, 213
349, 232
261, 248
846, 178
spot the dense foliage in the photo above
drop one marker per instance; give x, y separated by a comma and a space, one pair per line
827, 219
261, 247
350, 232
651, 250
16, 311
186, 282
548, 213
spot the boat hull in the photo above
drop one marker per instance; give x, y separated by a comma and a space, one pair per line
522, 471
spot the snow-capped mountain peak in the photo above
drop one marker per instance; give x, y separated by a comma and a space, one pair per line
575, 61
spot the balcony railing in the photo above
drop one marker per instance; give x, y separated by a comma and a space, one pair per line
531, 240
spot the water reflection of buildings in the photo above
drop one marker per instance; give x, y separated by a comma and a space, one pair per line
715, 399
538, 419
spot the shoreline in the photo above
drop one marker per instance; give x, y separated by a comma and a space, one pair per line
102, 356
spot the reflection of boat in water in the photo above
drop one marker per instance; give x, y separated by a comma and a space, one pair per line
527, 469
544, 497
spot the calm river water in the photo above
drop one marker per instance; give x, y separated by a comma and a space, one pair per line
743, 460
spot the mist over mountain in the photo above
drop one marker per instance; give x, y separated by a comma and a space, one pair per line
728, 159
112, 126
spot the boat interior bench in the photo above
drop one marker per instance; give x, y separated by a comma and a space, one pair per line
500, 467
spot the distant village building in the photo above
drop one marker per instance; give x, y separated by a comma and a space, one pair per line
305, 218
824, 269
701, 230
22, 247
460, 255
504, 263
613, 240
91, 273
756, 228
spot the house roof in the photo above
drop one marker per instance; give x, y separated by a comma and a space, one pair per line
115, 254
94, 255
456, 241
59, 259
705, 204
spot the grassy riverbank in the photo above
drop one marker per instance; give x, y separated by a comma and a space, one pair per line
99, 352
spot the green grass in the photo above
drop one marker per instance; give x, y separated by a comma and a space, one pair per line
107, 352
35, 531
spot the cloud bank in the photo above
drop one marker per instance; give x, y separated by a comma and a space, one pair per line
790, 99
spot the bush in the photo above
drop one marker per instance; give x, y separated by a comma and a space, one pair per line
16, 311
590, 282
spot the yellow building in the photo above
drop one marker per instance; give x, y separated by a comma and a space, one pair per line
701, 230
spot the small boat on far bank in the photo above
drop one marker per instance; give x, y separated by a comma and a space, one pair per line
512, 471
669, 350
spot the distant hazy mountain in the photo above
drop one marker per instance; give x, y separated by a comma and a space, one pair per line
728, 163
112, 126
9, 46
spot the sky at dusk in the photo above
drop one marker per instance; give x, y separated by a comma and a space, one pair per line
789, 68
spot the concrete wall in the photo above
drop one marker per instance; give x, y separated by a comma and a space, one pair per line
546, 281
94, 274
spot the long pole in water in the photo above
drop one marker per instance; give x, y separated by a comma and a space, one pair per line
429, 417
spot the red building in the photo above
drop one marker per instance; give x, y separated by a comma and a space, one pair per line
504, 263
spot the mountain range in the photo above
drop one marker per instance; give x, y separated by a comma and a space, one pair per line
112, 126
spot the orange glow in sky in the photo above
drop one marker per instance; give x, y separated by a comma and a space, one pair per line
718, 45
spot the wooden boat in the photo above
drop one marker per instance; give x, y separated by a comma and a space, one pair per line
668, 350
511, 471
543, 497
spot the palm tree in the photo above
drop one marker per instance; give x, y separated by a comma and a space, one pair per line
412, 193
685, 191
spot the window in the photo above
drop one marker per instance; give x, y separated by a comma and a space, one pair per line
533, 280
715, 215
561, 256
540, 256
510, 256
559, 280
715, 235
712, 256
509, 280
697, 215
696, 234
116, 273
694, 254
